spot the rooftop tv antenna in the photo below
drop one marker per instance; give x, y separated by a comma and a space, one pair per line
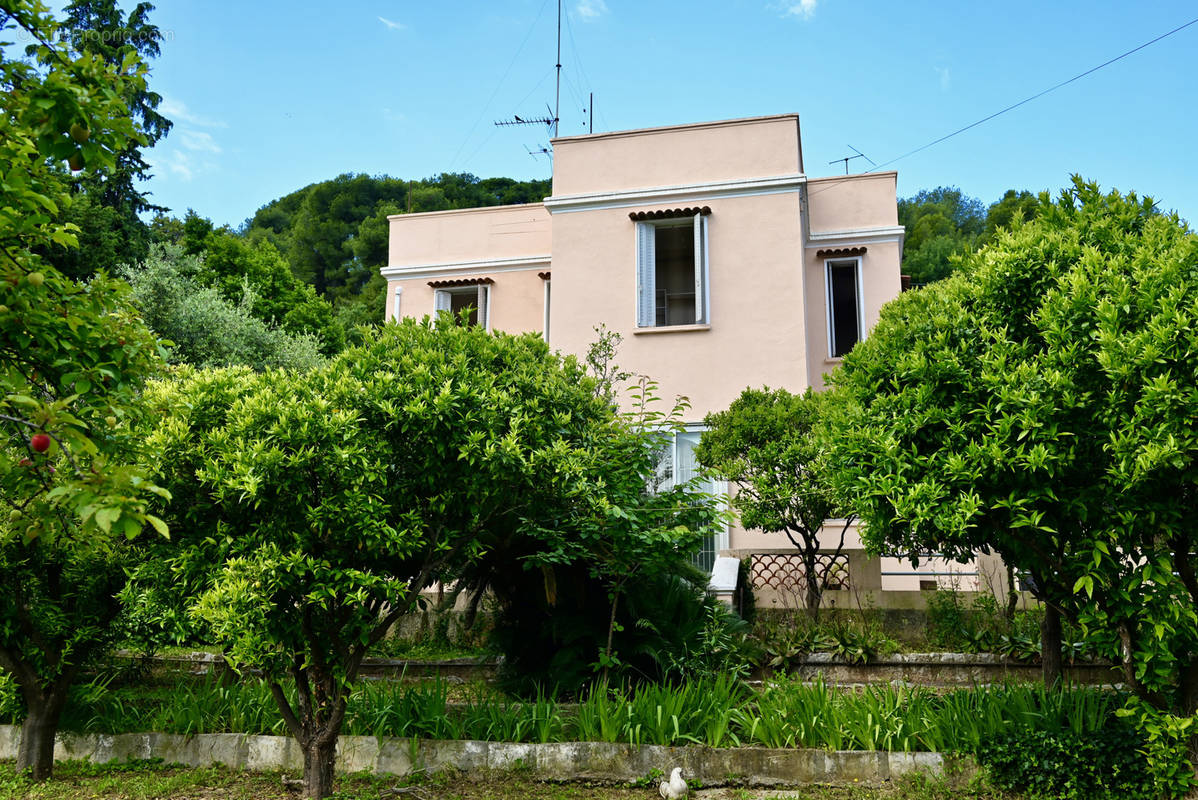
847, 159
551, 121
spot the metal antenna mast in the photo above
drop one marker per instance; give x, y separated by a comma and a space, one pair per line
549, 122
847, 159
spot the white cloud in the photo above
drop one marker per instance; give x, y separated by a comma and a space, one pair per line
187, 151
591, 9
199, 141
392, 24
176, 111
803, 9
945, 78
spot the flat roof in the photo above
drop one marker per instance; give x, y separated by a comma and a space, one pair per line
585, 137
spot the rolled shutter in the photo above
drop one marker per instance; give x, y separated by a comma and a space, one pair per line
484, 306
395, 309
441, 300
646, 268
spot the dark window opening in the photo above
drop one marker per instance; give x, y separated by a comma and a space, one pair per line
460, 301
843, 307
674, 275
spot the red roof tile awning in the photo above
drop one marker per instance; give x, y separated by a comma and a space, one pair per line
668, 213
843, 252
460, 282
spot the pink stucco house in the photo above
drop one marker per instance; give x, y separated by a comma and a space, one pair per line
706, 246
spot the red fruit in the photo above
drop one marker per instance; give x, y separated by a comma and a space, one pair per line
40, 442
24, 462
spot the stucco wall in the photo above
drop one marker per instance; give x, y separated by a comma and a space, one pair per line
517, 298
852, 201
734, 150
472, 234
756, 334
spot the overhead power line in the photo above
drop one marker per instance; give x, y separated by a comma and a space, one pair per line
1079, 76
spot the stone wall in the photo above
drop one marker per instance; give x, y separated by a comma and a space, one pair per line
753, 766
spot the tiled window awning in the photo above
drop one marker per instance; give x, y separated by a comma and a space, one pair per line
543, 275
844, 252
668, 213
448, 284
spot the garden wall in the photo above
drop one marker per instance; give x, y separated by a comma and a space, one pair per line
557, 761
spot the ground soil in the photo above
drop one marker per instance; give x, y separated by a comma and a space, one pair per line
153, 781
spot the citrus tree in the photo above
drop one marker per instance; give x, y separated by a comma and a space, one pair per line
72, 361
328, 500
771, 444
1041, 405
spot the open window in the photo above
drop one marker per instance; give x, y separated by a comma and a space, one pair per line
677, 465
474, 297
843, 278
671, 268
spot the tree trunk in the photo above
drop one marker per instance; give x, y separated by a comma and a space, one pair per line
1050, 645
1012, 595
35, 755
1189, 700
814, 581
318, 767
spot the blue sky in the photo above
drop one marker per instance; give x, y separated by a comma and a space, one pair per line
268, 96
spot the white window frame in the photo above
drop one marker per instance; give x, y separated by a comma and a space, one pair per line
646, 267
442, 301
719, 485
828, 308
545, 330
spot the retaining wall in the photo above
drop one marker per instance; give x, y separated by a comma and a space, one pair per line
752, 766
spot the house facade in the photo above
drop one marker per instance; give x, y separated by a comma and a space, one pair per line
705, 246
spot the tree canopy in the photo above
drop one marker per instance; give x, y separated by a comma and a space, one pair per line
1040, 404
771, 444
329, 499
944, 224
73, 360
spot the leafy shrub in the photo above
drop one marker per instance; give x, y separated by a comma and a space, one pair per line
786, 641
1065, 765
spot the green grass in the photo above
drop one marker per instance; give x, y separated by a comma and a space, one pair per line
144, 780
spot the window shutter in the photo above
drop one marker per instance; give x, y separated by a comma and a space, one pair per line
700, 260
646, 267
484, 307
441, 301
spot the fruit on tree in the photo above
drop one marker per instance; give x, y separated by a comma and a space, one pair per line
40, 442
35, 278
80, 133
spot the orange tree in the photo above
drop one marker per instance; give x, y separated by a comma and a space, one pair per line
72, 361
1041, 405
311, 509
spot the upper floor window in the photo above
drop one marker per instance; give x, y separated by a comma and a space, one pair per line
671, 267
474, 298
843, 278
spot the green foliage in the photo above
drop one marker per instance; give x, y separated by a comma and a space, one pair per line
1039, 405
334, 233
1063, 765
204, 328
104, 201
786, 641
770, 443
73, 360
328, 500
944, 226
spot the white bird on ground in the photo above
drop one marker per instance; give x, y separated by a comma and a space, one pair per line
674, 788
